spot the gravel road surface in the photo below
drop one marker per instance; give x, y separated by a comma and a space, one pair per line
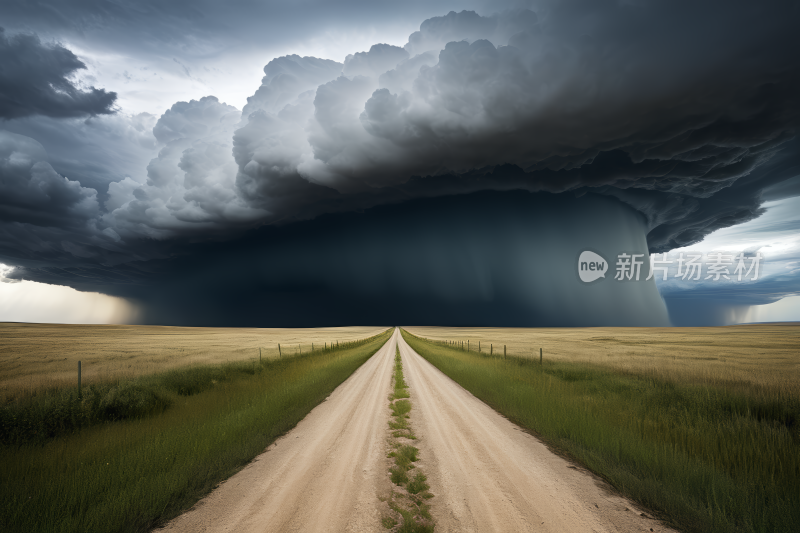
330, 473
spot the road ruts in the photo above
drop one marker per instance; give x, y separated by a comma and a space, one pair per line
487, 474
329, 473
325, 475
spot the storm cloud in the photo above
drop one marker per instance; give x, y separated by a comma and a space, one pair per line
678, 114
687, 118
35, 79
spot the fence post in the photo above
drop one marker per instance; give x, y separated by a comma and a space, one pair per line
300, 348
79, 379
479, 346
504, 351
540, 356
259, 356
279, 351
491, 349
467, 345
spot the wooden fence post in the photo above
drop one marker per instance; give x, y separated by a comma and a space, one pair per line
259, 356
491, 349
79, 379
279, 351
540, 356
504, 351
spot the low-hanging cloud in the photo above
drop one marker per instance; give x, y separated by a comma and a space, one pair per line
684, 112
35, 79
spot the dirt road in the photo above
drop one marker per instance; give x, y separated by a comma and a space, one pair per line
329, 473
324, 475
488, 475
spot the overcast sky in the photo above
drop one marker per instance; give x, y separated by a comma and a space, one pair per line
147, 149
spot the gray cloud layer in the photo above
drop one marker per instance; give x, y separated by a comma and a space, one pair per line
678, 122
35, 80
683, 111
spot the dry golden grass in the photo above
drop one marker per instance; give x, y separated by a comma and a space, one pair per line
762, 356
34, 357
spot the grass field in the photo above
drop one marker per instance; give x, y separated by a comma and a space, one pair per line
707, 447
751, 357
133, 474
37, 357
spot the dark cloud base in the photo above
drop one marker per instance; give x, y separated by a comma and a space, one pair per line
491, 258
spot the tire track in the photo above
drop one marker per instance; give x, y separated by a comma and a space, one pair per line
489, 475
326, 474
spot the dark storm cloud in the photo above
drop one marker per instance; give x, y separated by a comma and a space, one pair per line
31, 192
584, 95
685, 112
35, 80
487, 258
588, 95
93, 151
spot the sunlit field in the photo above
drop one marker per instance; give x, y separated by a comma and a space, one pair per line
754, 357
34, 357
702, 425
130, 455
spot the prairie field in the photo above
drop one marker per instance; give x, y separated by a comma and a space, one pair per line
762, 357
128, 455
699, 425
36, 357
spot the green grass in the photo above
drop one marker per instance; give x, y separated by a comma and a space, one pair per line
56, 412
410, 502
705, 458
134, 474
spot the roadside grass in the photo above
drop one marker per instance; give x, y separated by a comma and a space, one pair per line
56, 412
706, 458
40, 358
135, 474
754, 357
408, 501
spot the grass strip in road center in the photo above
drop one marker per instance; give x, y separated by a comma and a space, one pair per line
132, 475
703, 457
411, 512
